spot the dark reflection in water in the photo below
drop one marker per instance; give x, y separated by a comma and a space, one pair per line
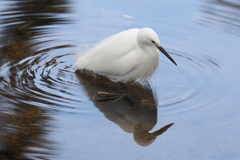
23, 130
24, 23
224, 13
24, 122
135, 112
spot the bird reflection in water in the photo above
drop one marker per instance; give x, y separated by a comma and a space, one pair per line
135, 111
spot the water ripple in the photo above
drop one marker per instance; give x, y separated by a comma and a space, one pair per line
188, 86
222, 13
31, 84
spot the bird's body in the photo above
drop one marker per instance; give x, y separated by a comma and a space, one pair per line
127, 56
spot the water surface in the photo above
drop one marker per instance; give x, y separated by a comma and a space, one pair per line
186, 112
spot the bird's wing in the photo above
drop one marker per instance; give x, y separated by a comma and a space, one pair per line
115, 55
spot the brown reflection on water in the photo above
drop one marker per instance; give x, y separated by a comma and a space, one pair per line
23, 24
135, 112
24, 122
23, 129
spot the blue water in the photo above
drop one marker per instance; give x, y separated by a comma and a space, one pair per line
189, 111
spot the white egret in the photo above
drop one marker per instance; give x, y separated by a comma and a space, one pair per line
128, 56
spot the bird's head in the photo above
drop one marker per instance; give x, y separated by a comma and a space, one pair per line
149, 37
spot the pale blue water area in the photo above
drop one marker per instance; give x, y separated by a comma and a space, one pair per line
189, 111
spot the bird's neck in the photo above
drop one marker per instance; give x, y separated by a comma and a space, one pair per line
150, 62
151, 54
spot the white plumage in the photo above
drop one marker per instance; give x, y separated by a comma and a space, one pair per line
128, 56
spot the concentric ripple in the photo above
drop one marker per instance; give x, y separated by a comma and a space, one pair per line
47, 82
187, 86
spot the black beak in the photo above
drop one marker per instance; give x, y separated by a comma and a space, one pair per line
166, 54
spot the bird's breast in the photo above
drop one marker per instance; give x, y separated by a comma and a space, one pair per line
149, 65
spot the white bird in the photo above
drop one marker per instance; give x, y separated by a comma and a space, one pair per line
128, 56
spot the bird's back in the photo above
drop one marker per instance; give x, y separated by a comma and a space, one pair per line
113, 55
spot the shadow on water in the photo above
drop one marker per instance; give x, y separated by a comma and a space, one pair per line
24, 122
134, 112
224, 13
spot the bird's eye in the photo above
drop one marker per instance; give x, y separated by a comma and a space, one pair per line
153, 41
